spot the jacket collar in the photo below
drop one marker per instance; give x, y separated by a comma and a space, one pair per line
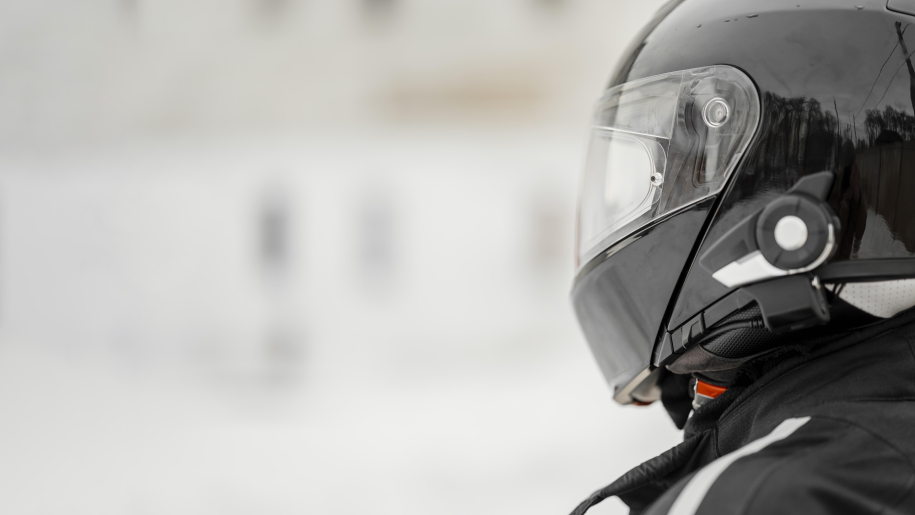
874, 362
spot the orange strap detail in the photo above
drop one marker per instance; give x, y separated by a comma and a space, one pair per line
709, 390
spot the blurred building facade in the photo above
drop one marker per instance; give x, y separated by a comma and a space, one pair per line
256, 252
104, 69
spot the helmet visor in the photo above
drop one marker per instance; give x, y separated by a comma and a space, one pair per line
658, 145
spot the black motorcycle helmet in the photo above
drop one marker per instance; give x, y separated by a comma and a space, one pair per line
750, 178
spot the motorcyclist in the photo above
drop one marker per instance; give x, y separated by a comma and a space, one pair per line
746, 255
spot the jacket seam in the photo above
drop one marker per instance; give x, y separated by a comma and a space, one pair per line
902, 497
911, 350
876, 436
871, 399
747, 506
889, 444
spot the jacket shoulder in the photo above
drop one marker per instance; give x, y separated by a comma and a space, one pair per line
812, 465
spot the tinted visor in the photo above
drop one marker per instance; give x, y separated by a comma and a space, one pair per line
660, 149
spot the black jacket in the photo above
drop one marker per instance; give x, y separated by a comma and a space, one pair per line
825, 429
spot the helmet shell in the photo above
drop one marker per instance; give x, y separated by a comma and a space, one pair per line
837, 94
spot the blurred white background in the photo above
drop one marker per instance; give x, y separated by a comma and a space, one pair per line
301, 256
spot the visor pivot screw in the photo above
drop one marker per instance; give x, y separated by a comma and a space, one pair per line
716, 112
657, 179
790, 233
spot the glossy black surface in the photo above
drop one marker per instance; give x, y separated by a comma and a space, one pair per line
902, 6
837, 94
867, 270
790, 303
622, 296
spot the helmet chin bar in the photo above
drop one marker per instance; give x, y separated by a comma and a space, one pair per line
642, 390
771, 255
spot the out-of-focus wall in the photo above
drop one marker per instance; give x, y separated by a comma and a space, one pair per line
300, 256
104, 69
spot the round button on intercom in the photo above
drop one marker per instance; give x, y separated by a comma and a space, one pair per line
790, 233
